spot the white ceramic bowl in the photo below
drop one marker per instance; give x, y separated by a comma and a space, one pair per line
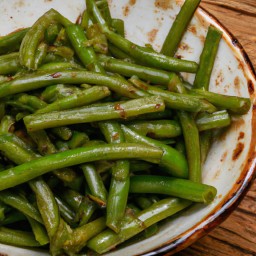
231, 161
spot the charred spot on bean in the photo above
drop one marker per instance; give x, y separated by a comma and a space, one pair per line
157, 106
115, 136
119, 108
151, 135
56, 75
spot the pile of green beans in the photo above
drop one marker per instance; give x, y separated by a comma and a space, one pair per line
102, 139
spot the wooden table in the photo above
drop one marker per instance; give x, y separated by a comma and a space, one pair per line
237, 235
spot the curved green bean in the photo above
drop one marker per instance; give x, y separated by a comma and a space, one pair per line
41, 79
20, 174
172, 161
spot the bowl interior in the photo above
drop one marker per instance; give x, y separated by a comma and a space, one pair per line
229, 166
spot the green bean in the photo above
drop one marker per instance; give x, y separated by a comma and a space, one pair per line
9, 63
17, 237
108, 239
95, 112
180, 146
143, 202
235, 104
39, 231
7, 123
19, 174
97, 39
82, 98
59, 66
51, 33
207, 58
138, 166
15, 149
47, 205
12, 41
191, 137
61, 145
176, 100
181, 188
78, 139
44, 144
72, 198
104, 9
118, 26
67, 175
20, 203
30, 100
173, 162
34, 35
120, 181
65, 211
41, 79
86, 54
205, 144
40, 54
13, 217
85, 19
119, 54
72, 241
157, 129
58, 91
206, 121
129, 69
179, 26
63, 51
64, 133
94, 182
86, 210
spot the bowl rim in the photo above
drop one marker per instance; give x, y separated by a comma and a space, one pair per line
243, 183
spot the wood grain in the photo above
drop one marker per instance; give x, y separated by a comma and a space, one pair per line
237, 235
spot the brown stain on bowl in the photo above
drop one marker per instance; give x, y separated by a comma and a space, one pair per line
163, 4
250, 87
192, 29
241, 136
237, 82
184, 47
237, 151
220, 78
19, 4
132, 2
126, 10
224, 156
152, 35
